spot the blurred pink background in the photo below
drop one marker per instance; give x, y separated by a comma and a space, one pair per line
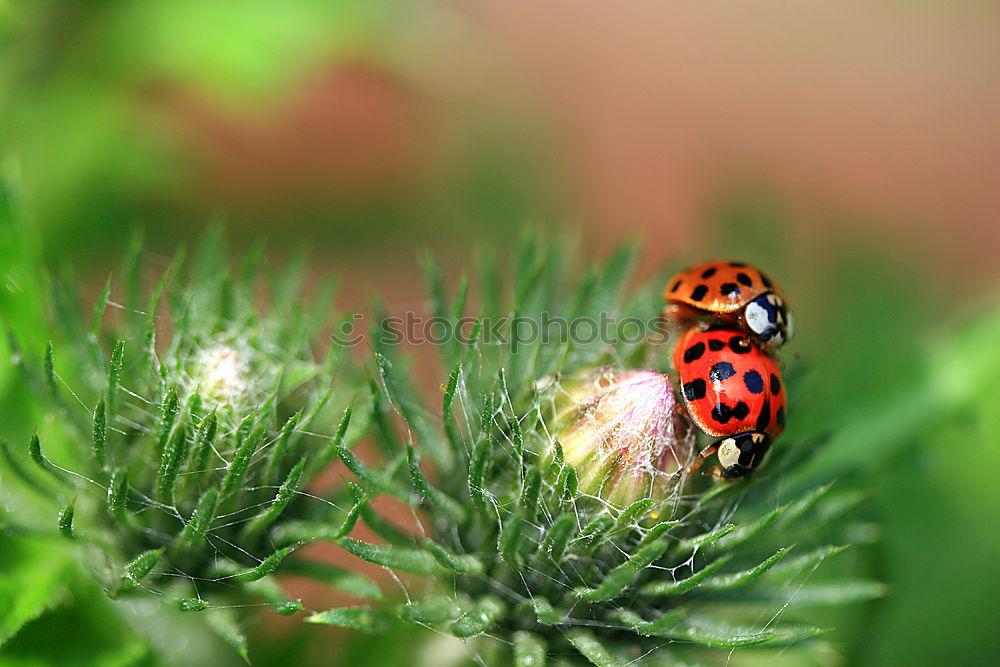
884, 119
890, 111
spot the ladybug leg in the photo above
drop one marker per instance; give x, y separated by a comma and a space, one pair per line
704, 454
675, 319
680, 313
731, 320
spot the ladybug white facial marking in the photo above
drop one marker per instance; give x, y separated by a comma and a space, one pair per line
739, 455
729, 453
768, 318
757, 316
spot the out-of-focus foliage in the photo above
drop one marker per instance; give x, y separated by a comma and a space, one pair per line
320, 118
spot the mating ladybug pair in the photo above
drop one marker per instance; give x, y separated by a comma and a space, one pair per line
733, 318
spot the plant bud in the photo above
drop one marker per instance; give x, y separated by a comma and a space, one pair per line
625, 434
221, 375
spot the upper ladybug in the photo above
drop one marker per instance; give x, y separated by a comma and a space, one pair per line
737, 294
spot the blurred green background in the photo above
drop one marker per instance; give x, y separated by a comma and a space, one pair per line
851, 150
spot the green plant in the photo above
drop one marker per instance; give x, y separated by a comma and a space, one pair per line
200, 418
514, 549
205, 417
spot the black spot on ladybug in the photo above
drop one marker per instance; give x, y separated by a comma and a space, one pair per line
746, 456
721, 371
699, 293
694, 352
775, 385
676, 285
767, 281
779, 418
715, 345
694, 389
744, 279
764, 418
738, 265
729, 288
753, 381
708, 273
739, 345
721, 413
741, 411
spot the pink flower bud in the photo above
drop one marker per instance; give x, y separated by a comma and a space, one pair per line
625, 434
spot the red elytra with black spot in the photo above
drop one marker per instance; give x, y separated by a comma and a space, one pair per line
729, 385
719, 286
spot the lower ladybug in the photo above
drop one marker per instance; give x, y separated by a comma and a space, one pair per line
733, 391
735, 294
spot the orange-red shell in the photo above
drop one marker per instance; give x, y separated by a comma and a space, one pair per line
728, 384
719, 286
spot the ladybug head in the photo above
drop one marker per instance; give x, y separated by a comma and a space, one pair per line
735, 472
769, 318
740, 454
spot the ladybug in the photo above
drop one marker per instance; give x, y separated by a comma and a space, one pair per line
733, 391
737, 294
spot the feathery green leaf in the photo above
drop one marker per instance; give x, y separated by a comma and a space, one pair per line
479, 618
529, 650
66, 521
406, 559
461, 563
356, 618
286, 492
266, 567
674, 588
616, 581
593, 650
100, 435
197, 526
